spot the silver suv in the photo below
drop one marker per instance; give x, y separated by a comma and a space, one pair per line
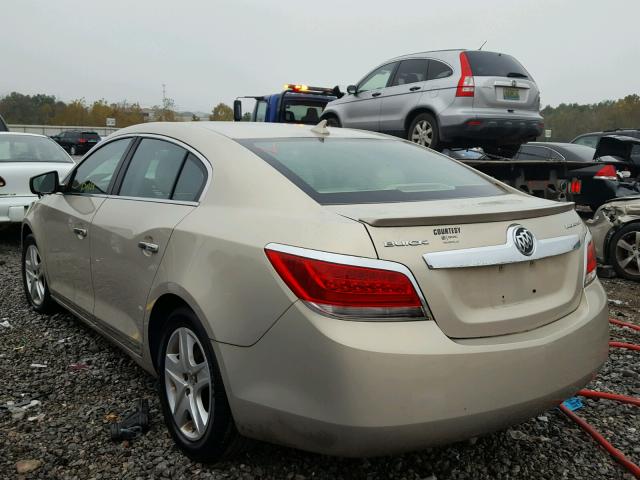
455, 98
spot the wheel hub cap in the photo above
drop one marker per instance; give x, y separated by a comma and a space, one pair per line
34, 275
422, 133
628, 252
188, 383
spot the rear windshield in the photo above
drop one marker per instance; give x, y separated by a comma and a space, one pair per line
491, 64
303, 111
28, 148
90, 135
359, 170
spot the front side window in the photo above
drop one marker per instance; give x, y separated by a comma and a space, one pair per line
153, 170
410, 71
588, 140
261, 111
95, 173
30, 148
359, 170
377, 79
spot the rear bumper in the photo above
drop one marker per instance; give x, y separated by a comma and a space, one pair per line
12, 209
479, 130
374, 388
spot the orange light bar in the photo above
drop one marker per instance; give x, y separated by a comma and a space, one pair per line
295, 87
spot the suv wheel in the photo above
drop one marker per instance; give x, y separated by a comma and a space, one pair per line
33, 278
192, 395
72, 150
625, 252
424, 131
332, 121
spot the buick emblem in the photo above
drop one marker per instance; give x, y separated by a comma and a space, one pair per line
524, 240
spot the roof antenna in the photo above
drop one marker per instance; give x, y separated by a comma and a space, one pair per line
321, 128
485, 42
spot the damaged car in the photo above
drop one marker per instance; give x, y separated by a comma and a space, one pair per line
615, 228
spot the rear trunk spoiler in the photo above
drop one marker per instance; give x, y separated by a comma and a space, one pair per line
469, 218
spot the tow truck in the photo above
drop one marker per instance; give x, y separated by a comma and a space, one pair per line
296, 103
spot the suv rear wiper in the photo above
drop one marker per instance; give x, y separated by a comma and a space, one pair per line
516, 75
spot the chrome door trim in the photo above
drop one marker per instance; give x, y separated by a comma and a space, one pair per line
501, 254
355, 261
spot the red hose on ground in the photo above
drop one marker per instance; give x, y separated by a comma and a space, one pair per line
620, 323
610, 396
629, 346
615, 453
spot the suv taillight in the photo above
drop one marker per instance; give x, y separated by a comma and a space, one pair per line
348, 291
466, 84
608, 172
591, 262
82, 140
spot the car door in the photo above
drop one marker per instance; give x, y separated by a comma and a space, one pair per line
402, 94
362, 109
132, 230
67, 217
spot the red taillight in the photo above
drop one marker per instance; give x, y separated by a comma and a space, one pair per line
347, 290
82, 140
575, 186
474, 123
466, 84
608, 172
591, 263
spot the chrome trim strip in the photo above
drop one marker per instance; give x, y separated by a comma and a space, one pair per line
355, 261
501, 254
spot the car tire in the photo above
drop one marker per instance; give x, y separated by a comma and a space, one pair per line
72, 150
624, 252
34, 280
424, 131
333, 121
192, 395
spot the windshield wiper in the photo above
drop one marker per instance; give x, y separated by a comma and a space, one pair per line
516, 75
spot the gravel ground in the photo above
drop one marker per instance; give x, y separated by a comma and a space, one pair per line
80, 381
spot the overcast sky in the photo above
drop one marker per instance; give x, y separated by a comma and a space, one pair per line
212, 51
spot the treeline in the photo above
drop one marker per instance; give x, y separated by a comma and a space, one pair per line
42, 109
566, 121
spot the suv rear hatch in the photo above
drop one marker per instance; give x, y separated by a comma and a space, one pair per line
472, 294
90, 138
501, 84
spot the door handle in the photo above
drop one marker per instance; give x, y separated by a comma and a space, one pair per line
376, 94
149, 247
81, 232
413, 89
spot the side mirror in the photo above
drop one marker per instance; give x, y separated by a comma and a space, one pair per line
352, 89
45, 183
237, 110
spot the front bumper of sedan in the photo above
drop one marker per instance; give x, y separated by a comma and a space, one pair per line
13, 208
374, 388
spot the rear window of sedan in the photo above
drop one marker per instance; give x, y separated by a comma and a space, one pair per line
28, 148
359, 170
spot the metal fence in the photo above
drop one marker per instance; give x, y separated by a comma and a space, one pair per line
55, 129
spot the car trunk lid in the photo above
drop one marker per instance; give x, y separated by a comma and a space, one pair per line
471, 290
16, 175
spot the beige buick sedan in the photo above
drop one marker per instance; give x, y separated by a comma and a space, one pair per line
333, 290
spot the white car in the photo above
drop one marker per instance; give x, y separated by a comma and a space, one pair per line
22, 156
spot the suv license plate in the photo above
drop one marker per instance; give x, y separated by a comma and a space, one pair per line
509, 93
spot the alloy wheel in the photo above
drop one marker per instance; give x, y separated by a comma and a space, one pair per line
628, 252
422, 133
34, 275
188, 383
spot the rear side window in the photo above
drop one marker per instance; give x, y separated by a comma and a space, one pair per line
153, 170
438, 70
491, 64
588, 140
358, 170
410, 71
191, 181
531, 152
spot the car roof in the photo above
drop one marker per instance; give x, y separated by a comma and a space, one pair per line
244, 130
26, 134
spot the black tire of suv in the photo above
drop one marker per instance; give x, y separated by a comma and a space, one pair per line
48, 304
613, 245
221, 439
435, 132
333, 121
